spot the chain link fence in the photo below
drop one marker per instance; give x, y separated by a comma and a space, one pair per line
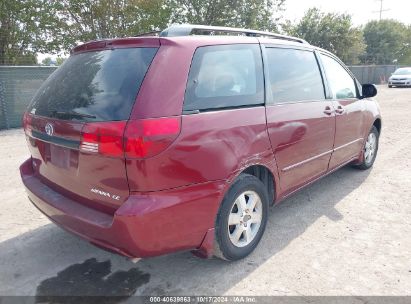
376, 74
18, 84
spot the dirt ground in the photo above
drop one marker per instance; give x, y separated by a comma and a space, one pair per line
348, 234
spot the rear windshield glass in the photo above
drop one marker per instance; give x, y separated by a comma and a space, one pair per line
94, 86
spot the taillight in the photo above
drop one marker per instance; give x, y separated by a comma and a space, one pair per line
148, 137
132, 139
27, 123
105, 138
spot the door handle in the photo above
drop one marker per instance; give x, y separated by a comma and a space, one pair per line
340, 110
328, 110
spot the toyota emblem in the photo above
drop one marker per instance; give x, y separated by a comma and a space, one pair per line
49, 129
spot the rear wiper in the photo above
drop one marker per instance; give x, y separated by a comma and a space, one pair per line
72, 114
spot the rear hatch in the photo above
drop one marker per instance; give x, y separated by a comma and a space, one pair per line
76, 121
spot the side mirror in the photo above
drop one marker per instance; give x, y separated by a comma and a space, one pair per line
369, 90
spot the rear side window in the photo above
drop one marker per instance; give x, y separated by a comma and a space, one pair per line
225, 76
94, 86
341, 83
294, 75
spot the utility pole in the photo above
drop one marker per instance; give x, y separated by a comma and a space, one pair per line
381, 9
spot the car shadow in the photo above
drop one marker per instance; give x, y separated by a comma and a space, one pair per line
49, 262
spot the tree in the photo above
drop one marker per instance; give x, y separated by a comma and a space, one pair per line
406, 54
333, 32
85, 20
47, 61
387, 41
255, 14
26, 27
60, 60
31, 26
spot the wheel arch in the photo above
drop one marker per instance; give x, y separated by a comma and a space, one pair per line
267, 175
378, 124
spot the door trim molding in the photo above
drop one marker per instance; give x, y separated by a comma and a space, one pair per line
283, 197
288, 168
306, 161
347, 144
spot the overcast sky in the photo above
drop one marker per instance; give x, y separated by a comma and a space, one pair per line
361, 10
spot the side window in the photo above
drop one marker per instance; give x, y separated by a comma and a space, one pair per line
225, 76
341, 83
294, 75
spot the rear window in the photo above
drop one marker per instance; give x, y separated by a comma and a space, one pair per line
225, 76
94, 86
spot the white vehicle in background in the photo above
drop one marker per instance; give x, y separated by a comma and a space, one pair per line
400, 78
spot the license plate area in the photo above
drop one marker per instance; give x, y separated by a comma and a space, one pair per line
60, 156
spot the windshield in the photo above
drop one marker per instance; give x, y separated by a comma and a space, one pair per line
94, 86
403, 71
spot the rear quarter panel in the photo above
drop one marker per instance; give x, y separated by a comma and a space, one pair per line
212, 146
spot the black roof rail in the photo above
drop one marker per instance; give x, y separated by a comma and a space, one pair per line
189, 29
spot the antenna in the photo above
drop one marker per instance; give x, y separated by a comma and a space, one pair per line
381, 9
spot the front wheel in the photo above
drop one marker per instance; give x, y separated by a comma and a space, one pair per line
370, 150
241, 219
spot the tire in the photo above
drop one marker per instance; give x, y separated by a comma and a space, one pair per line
237, 240
390, 86
368, 161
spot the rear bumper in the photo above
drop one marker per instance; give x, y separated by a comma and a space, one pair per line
147, 224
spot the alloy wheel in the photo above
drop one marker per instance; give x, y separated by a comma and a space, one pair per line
245, 218
370, 148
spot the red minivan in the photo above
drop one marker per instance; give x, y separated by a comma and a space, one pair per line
151, 145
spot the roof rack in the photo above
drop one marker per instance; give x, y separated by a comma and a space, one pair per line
191, 29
